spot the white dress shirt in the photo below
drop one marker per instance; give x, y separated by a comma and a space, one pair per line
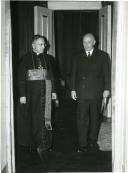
91, 51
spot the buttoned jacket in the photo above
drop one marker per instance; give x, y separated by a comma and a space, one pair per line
90, 76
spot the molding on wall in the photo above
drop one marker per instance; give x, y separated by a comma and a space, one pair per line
74, 5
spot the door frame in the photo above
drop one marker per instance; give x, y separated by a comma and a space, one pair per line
89, 6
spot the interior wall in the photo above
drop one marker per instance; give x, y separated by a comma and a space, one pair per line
3, 94
120, 87
74, 5
114, 39
7, 128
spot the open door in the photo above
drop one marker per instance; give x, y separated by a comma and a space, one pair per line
105, 39
43, 25
105, 29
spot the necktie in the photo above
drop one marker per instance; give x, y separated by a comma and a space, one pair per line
89, 54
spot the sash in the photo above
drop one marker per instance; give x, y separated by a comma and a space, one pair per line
37, 74
47, 114
41, 74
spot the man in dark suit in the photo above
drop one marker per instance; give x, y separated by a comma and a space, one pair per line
90, 85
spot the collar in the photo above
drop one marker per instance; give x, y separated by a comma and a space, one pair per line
91, 51
36, 53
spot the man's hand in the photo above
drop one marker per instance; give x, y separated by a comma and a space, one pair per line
48, 125
73, 95
106, 93
23, 100
54, 96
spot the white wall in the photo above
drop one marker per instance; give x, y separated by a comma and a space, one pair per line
74, 5
7, 128
120, 87
3, 94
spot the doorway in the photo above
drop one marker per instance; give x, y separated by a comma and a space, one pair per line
68, 42
70, 26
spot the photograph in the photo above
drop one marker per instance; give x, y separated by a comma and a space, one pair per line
64, 86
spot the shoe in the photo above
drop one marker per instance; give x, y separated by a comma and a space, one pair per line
40, 153
43, 153
42, 156
82, 149
93, 147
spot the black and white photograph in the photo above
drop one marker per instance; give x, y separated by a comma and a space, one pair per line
64, 86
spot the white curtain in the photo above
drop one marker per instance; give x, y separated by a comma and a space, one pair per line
7, 150
120, 87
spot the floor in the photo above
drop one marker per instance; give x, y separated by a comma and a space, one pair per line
64, 157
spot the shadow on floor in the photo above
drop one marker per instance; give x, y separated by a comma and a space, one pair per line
65, 162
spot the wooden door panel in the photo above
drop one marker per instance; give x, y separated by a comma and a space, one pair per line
105, 38
43, 24
105, 29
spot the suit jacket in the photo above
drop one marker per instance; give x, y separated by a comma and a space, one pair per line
90, 76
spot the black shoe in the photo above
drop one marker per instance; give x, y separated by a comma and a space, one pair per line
82, 149
43, 153
93, 147
40, 154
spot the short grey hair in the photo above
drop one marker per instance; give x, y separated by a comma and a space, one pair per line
89, 35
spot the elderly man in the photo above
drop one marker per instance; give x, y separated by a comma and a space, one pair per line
90, 83
36, 86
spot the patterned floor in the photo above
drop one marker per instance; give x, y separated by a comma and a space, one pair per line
105, 136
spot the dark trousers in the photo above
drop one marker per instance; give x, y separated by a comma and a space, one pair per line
88, 120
